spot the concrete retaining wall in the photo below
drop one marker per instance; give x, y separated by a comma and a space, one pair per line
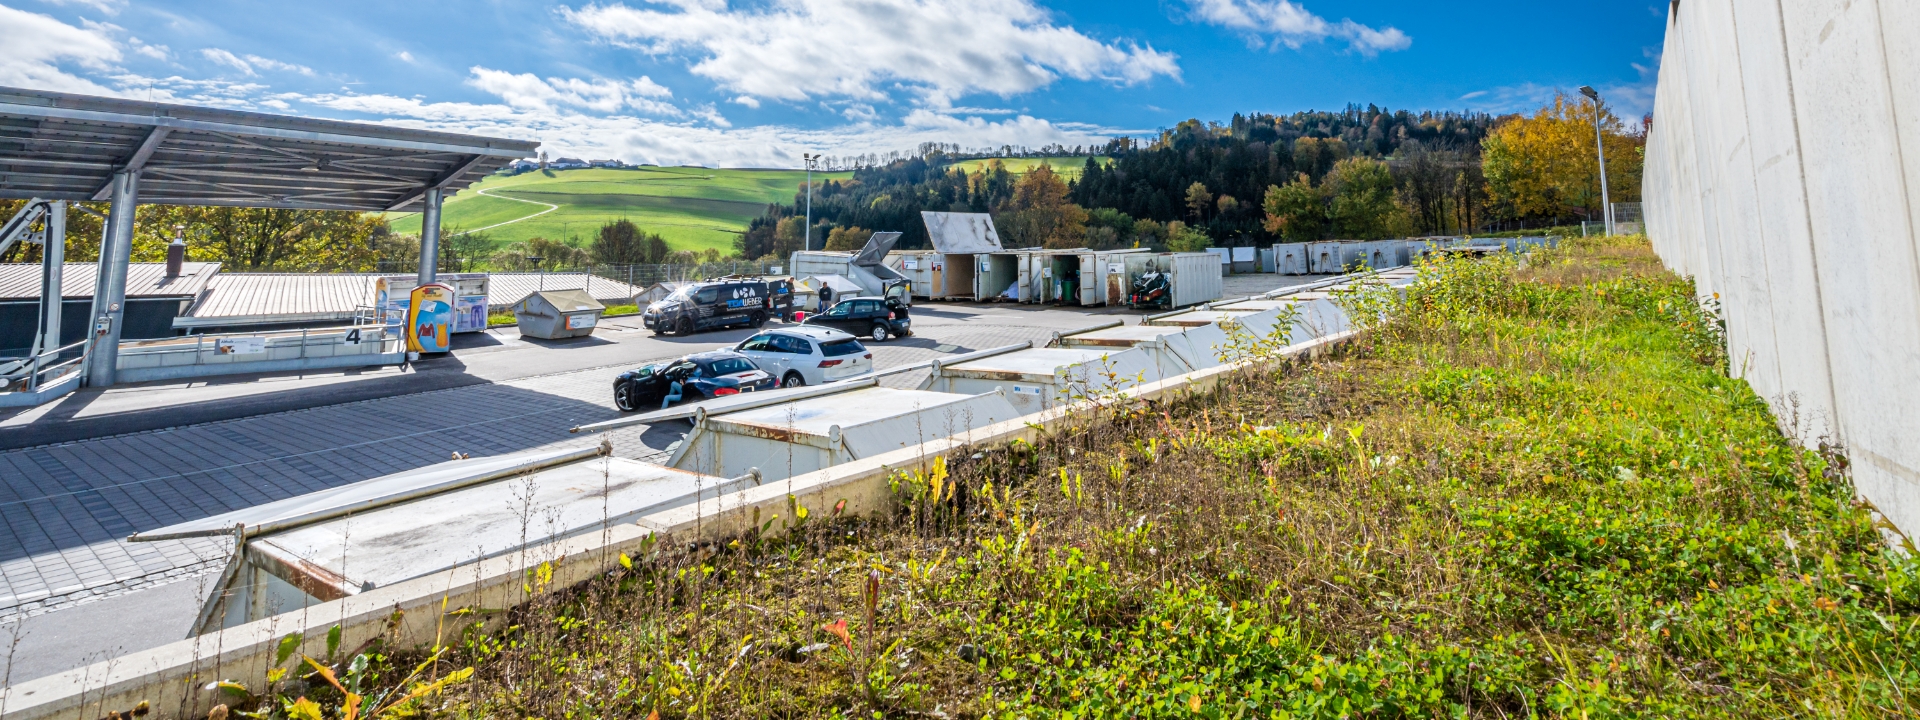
1783, 175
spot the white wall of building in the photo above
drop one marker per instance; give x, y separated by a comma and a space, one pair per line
1783, 174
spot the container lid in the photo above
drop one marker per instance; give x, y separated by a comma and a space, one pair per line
570, 300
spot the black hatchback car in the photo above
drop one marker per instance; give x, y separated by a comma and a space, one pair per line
701, 376
868, 317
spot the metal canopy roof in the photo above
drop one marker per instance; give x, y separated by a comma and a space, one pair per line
59, 146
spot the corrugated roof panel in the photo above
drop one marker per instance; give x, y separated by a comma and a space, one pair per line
505, 289
21, 281
319, 295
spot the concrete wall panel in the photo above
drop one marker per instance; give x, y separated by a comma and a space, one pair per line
1783, 175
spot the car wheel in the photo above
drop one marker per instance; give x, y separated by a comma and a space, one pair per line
685, 327
792, 380
759, 320
623, 397
879, 332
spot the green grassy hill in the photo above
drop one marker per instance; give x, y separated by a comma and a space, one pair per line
693, 208
1067, 167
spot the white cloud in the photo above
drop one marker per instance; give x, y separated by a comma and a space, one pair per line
108, 7
157, 52
711, 145
272, 64
404, 56
799, 49
527, 91
710, 114
747, 100
250, 65
1285, 22
223, 57
36, 47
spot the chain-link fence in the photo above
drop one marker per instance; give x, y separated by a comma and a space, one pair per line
647, 275
1627, 219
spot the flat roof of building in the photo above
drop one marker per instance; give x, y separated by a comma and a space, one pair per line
285, 297
21, 281
61, 146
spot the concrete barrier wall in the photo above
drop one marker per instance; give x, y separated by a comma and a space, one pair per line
1783, 175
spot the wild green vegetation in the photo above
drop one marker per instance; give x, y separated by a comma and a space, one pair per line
692, 208
1527, 490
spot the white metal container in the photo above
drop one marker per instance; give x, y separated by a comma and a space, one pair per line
1196, 317
1291, 258
1314, 316
953, 275
1144, 337
343, 541
805, 435
999, 275
922, 268
1081, 277
1225, 255
1325, 258
1196, 278
1040, 378
1246, 260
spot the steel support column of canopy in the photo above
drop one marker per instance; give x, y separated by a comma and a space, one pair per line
53, 259
430, 235
110, 290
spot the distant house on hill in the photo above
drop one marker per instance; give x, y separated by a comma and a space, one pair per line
520, 166
607, 164
567, 164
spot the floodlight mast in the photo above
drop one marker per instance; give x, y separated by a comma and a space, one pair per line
812, 160
1606, 203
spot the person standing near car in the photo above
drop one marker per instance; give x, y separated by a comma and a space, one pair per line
826, 298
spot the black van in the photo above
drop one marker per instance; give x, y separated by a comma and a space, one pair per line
708, 305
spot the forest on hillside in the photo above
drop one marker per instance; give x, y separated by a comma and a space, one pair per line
1259, 178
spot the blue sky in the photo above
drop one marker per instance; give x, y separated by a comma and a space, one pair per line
755, 83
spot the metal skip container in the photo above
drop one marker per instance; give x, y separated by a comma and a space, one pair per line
1290, 259
327, 545
960, 241
1193, 278
558, 314
805, 435
1039, 378
1145, 337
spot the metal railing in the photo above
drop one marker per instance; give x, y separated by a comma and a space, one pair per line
29, 373
206, 347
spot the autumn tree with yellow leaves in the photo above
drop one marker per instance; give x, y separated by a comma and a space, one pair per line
1544, 166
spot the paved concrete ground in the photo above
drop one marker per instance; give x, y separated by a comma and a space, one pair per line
143, 457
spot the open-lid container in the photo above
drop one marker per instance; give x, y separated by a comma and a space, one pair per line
328, 545
808, 434
1039, 378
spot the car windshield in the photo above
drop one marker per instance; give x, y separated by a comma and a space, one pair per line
729, 366
680, 295
837, 348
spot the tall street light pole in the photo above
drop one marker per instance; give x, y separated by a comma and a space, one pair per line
1606, 203
812, 160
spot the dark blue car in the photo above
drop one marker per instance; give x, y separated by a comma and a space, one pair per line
701, 376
